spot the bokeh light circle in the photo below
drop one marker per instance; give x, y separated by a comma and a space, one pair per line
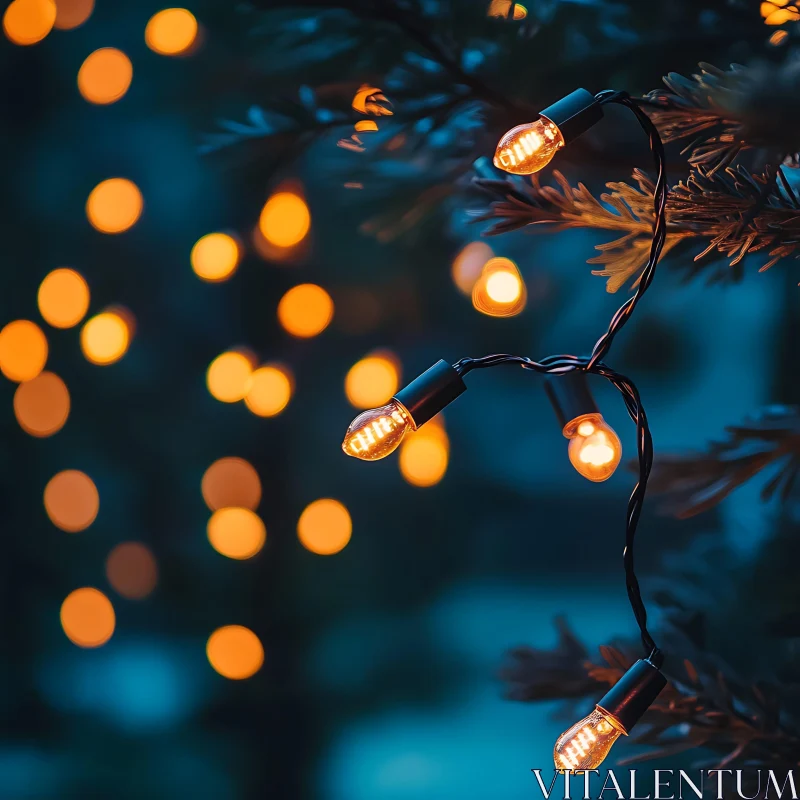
114, 205
131, 570
87, 617
105, 338
231, 481
71, 500
372, 381
41, 405
305, 310
215, 257
23, 350
424, 457
171, 32
325, 527
105, 76
235, 652
29, 21
63, 298
270, 390
72, 13
468, 265
236, 532
228, 376
285, 219
504, 287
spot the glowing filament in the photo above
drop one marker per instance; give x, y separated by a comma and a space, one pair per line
594, 449
586, 744
528, 148
377, 432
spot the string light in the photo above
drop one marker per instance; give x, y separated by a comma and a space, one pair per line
105, 76
114, 205
285, 219
87, 617
41, 405
171, 32
270, 390
215, 257
325, 527
131, 570
372, 381
72, 13
105, 338
229, 375
236, 532
235, 652
26, 22
71, 500
305, 310
63, 298
23, 350
231, 481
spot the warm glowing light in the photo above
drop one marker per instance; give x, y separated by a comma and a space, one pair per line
586, 744
63, 298
71, 500
468, 265
371, 100
594, 448
366, 126
41, 406
229, 375
72, 13
105, 76
235, 652
501, 8
236, 532
231, 481
500, 290
778, 12
29, 21
105, 338
23, 350
171, 32
87, 617
372, 381
215, 257
378, 432
425, 454
325, 527
270, 390
114, 205
285, 219
528, 148
305, 310
131, 569
778, 38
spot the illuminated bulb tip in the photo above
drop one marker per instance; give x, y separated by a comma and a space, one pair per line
586, 744
378, 432
594, 448
528, 148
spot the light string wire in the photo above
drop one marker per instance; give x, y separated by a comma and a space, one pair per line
562, 364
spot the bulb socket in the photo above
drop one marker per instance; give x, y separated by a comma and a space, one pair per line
633, 694
428, 394
570, 396
574, 114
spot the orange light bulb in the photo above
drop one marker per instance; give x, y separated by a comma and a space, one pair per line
377, 432
528, 148
586, 744
594, 449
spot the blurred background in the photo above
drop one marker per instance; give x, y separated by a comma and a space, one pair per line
203, 597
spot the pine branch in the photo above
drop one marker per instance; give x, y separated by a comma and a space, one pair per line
692, 484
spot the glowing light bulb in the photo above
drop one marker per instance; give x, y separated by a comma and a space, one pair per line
594, 449
586, 744
377, 432
528, 148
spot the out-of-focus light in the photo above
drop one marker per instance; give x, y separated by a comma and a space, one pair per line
235, 652
270, 391
215, 257
72, 13
105, 76
366, 126
231, 481
371, 100
285, 219
171, 32
325, 527
778, 38
29, 21
500, 290
105, 338
71, 500
114, 205
131, 570
424, 455
778, 12
23, 350
228, 376
236, 532
373, 381
501, 8
41, 406
305, 310
87, 617
468, 265
63, 298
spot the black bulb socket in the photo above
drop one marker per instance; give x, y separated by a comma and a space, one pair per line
633, 694
570, 396
574, 114
428, 394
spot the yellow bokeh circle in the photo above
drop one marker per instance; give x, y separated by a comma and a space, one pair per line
29, 21
105, 338
41, 406
63, 298
285, 219
372, 381
23, 350
270, 390
215, 257
305, 310
171, 32
105, 76
231, 481
424, 457
236, 532
235, 652
71, 500
228, 376
87, 617
114, 205
325, 527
